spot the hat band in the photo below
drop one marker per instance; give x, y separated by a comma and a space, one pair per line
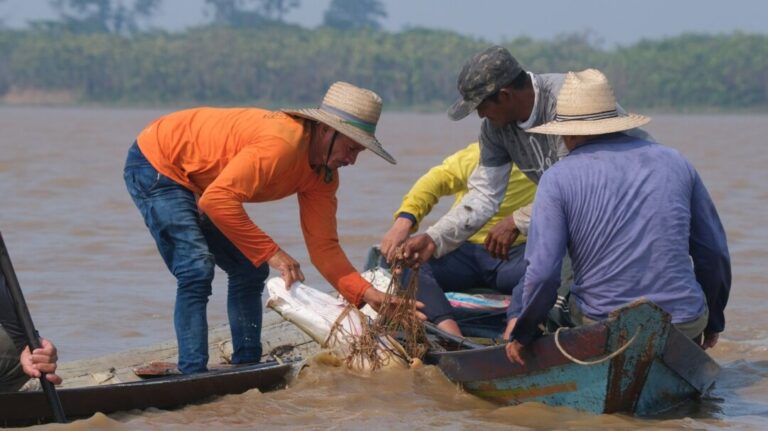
350, 119
587, 117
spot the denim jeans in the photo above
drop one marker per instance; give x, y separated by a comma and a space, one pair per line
191, 245
468, 267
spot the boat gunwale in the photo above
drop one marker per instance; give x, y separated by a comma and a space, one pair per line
584, 343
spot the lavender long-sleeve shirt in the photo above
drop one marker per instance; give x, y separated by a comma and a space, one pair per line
638, 222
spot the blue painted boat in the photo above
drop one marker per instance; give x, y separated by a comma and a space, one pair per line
634, 362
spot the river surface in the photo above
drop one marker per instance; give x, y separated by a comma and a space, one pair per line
96, 285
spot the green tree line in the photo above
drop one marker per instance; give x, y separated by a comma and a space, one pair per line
277, 63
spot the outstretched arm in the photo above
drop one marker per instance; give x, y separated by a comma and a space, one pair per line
544, 252
486, 189
711, 260
446, 179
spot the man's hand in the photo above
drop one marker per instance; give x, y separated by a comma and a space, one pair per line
710, 339
42, 360
509, 328
395, 236
287, 266
418, 250
376, 298
500, 238
514, 352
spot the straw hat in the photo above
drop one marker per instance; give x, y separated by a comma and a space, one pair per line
586, 106
353, 112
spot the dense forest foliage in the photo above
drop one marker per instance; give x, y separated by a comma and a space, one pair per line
279, 63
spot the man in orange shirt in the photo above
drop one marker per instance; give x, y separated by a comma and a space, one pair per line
189, 174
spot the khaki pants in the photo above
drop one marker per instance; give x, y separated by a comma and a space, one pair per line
692, 329
11, 375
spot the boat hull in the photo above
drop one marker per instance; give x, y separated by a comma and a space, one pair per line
659, 369
28, 408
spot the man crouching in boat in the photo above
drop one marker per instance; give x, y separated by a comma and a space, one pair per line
635, 217
471, 265
189, 174
17, 363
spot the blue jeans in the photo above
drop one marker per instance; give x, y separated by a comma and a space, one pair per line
468, 267
190, 246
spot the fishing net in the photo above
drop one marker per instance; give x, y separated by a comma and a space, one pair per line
395, 331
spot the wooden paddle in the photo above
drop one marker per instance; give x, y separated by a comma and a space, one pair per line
29, 328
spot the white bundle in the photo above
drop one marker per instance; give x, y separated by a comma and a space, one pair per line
379, 279
316, 313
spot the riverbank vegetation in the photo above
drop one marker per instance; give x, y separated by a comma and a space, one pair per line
276, 64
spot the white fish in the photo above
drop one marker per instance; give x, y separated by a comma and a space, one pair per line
316, 313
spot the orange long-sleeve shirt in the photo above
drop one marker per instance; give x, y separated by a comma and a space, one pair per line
236, 155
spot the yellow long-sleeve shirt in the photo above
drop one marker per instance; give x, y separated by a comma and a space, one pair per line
451, 178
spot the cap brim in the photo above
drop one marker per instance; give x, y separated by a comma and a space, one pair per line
461, 108
368, 141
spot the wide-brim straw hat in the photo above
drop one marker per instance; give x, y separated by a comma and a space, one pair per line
351, 111
586, 106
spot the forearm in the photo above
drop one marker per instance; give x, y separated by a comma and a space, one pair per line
709, 252
455, 227
714, 277
333, 265
487, 187
544, 252
539, 297
516, 304
522, 218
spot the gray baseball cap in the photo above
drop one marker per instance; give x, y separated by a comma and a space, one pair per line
484, 74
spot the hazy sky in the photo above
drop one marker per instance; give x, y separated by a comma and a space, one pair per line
612, 21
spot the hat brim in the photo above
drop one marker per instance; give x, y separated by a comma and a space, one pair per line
368, 141
591, 127
461, 108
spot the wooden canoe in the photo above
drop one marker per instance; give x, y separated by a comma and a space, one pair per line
108, 383
30, 408
659, 369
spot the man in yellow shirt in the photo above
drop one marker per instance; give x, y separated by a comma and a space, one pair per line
470, 266
190, 172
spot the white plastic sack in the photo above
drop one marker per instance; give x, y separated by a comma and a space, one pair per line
379, 279
315, 313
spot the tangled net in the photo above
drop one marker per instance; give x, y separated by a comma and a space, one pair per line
396, 329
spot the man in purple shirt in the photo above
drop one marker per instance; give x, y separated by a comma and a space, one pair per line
634, 216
